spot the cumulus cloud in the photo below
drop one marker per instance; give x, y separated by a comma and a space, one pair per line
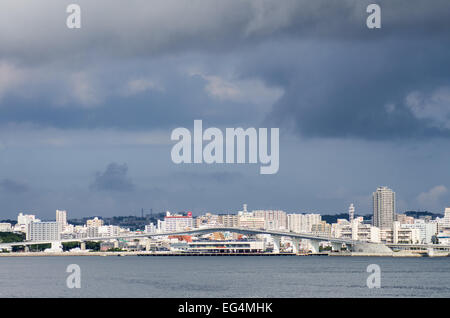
114, 178
166, 26
242, 91
434, 106
140, 85
432, 197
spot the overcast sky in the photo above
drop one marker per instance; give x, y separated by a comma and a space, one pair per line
86, 115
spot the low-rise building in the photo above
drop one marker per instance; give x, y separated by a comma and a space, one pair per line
400, 235
357, 230
5, 227
229, 220
95, 222
219, 247
426, 229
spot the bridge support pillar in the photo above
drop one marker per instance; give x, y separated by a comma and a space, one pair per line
314, 246
276, 244
336, 246
83, 246
147, 244
27, 248
295, 245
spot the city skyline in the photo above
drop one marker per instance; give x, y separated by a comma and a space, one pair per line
374, 214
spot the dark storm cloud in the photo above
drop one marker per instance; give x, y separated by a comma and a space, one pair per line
114, 178
339, 78
183, 100
145, 28
357, 89
11, 186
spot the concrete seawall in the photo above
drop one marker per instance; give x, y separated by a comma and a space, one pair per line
145, 253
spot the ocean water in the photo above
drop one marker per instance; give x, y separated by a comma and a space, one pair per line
218, 276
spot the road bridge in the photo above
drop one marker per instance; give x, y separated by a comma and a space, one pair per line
313, 239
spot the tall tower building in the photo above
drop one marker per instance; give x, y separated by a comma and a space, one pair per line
383, 208
351, 212
61, 217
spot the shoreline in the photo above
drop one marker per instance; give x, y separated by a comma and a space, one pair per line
168, 254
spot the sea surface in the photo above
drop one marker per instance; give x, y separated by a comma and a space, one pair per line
224, 277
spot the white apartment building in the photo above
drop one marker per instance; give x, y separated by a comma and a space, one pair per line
161, 226
274, 219
61, 217
302, 223
251, 222
445, 222
150, 228
383, 208
356, 230
228, 220
43, 231
108, 230
95, 222
207, 220
5, 227
404, 219
23, 220
426, 229
92, 231
398, 235
322, 228
176, 222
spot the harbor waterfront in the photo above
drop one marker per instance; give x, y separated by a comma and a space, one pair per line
156, 254
220, 277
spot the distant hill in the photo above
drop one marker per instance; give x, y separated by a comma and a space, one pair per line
13, 222
132, 222
332, 218
422, 214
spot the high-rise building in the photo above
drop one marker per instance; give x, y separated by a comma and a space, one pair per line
351, 213
383, 208
43, 231
61, 217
